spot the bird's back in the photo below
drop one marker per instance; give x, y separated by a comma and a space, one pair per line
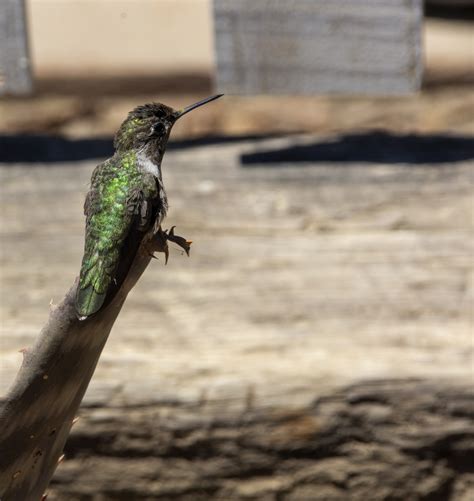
110, 208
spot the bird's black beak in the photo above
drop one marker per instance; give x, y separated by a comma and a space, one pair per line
192, 107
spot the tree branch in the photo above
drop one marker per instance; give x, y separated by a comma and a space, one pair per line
37, 414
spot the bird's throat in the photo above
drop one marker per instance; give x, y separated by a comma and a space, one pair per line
147, 164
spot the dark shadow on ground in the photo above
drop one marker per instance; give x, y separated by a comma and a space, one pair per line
372, 147
125, 85
47, 149
447, 9
31, 148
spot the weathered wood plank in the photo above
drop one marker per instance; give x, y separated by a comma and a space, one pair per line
315, 46
373, 440
15, 75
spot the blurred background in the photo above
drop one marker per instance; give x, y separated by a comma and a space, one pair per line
318, 342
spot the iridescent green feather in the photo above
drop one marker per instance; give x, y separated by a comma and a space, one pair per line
110, 214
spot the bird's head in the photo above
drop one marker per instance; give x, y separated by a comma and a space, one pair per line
149, 126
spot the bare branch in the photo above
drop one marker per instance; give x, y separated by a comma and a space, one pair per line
38, 412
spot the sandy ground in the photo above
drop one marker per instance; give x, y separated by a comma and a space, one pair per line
303, 275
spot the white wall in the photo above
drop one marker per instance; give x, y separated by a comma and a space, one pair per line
107, 37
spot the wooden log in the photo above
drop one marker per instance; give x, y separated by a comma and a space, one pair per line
378, 440
15, 74
315, 46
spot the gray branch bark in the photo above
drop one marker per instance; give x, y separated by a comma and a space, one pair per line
37, 414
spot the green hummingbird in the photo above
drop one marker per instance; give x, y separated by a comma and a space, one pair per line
126, 200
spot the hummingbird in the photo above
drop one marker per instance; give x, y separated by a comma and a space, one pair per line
126, 200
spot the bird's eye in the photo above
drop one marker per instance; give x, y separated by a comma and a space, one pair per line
159, 129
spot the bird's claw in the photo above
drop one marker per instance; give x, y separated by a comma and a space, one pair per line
181, 241
160, 242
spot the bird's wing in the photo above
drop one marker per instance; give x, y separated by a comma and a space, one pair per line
111, 209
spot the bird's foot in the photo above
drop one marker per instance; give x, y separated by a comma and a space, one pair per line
159, 243
181, 241
162, 237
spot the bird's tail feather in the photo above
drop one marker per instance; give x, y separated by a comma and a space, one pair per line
88, 302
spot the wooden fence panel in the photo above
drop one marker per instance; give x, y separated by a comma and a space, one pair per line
318, 46
15, 76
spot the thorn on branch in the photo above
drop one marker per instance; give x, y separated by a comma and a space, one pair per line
26, 353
